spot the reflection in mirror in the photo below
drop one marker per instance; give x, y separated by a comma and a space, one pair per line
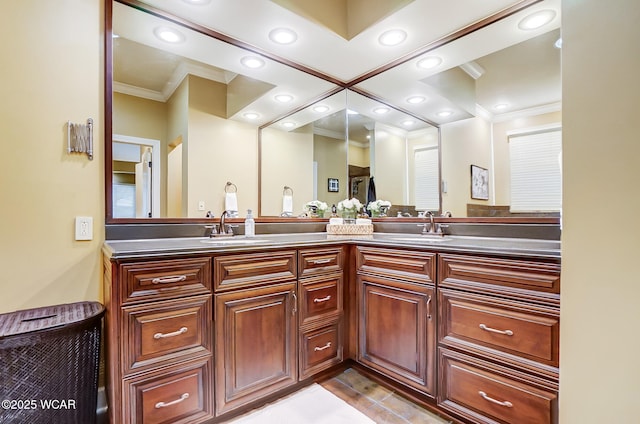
308, 151
483, 90
201, 105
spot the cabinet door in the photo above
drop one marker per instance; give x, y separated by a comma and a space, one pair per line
397, 330
255, 344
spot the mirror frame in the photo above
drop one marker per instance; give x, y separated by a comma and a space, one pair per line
340, 85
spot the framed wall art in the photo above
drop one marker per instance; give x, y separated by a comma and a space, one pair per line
479, 183
333, 185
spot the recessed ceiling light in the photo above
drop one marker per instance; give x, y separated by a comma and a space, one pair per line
536, 20
321, 108
252, 62
169, 35
445, 113
408, 122
288, 124
414, 100
392, 37
381, 110
251, 115
429, 62
501, 106
283, 36
284, 98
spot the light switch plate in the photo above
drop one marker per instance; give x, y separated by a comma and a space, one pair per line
84, 228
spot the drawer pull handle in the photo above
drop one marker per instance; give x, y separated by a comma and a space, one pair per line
322, 299
168, 280
497, 402
321, 261
493, 330
317, 349
294, 310
158, 336
429, 307
173, 402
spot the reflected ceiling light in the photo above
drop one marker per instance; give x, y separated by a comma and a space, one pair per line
252, 62
283, 36
445, 113
284, 98
251, 115
536, 20
114, 35
414, 100
501, 106
288, 124
351, 112
558, 43
429, 62
197, 2
321, 108
408, 122
381, 110
392, 37
169, 35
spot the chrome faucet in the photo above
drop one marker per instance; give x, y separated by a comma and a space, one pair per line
431, 224
223, 229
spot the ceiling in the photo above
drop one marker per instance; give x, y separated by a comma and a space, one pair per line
523, 74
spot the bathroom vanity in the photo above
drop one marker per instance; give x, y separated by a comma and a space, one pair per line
199, 330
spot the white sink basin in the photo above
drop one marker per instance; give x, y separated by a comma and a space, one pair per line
422, 239
233, 240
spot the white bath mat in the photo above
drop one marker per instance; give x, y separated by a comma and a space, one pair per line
311, 405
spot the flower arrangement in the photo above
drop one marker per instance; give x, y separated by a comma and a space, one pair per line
316, 208
348, 208
379, 207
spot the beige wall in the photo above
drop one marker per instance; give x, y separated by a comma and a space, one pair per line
331, 156
51, 73
600, 315
359, 156
464, 143
389, 170
287, 160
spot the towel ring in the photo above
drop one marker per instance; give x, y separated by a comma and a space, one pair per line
287, 190
227, 187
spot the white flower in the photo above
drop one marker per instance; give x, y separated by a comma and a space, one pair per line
317, 204
352, 204
377, 204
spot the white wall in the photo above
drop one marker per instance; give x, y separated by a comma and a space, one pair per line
52, 72
600, 313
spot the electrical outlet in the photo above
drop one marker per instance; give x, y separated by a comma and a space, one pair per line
84, 228
201, 205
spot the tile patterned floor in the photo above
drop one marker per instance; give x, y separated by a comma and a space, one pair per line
379, 403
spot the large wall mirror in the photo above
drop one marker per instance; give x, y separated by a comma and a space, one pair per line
198, 111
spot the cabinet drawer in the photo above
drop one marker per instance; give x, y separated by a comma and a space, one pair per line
236, 271
495, 326
162, 331
403, 264
319, 261
178, 395
156, 280
320, 298
482, 393
527, 280
320, 349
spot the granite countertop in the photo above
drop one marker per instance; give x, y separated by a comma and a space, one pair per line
535, 248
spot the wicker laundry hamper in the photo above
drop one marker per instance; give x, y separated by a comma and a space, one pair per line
49, 361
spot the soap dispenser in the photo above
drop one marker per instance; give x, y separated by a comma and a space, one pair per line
249, 225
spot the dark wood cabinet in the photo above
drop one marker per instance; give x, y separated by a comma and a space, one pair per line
159, 341
256, 344
498, 326
397, 330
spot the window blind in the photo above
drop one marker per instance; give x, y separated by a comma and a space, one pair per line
427, 179
536, 177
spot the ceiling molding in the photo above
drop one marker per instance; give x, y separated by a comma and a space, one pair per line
524, 113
